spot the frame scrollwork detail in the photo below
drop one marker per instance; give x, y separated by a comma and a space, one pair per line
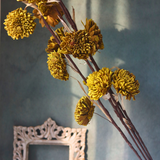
49, 133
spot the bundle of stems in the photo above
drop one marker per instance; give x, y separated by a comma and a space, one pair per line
118, 108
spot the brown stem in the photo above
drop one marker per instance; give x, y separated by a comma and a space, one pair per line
94, 62
68, 16
49, 28
92, 69
119, 114
122, 134
76, 67
133, 130
59, 14
136, 133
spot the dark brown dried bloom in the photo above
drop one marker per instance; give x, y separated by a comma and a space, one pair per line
79, 44
95, 33
49, 12
52, 44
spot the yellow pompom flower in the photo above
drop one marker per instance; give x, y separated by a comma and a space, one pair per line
95, 33
19, 24
57, 65
79, 44
52, 44
99, 82
124, 82
84, 111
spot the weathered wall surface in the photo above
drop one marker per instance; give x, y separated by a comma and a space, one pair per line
30, 95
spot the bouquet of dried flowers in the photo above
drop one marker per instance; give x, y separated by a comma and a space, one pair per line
66, 42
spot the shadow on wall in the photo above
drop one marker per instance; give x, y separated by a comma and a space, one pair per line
134, 47
28, 90
29, 94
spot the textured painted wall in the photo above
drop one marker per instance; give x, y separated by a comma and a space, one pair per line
29, 95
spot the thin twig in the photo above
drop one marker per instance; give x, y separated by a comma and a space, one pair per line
68, 16
92, 69
94, 63
118, 113
133, 129
49, 28
102, 117
122, 134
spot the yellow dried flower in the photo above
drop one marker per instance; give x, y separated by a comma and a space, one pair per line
60, 32
124, 82
79, 44
33, 1
44, 8
52, 44
95, 33
49, 12
99, 82
19, 24
84, 111
57, 65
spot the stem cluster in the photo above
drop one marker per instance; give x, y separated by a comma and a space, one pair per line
120, 112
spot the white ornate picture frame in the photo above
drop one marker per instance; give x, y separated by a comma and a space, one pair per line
49, 133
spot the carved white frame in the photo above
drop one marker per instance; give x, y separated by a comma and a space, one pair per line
49, 133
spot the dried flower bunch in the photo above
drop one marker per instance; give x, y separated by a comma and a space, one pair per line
67, 42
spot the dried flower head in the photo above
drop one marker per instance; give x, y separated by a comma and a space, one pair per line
95, 33
52, 44
99, 82
60, 32
33, 1
57, 65
19, 24
124, 82
79, 44
50, 13
84, 111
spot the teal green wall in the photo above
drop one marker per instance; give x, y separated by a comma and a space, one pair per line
30, 95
